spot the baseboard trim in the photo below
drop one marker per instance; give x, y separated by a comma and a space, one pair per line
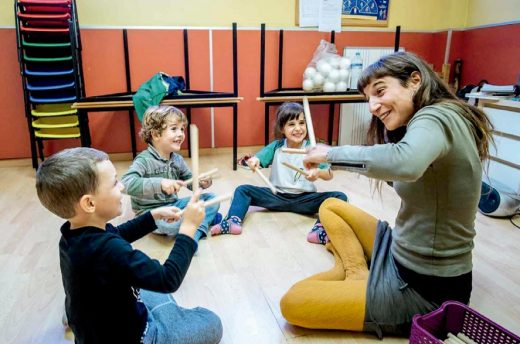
27, 162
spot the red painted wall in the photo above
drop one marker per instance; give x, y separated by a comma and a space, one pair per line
486, 53
492, 54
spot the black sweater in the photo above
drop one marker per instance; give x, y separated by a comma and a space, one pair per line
102, 275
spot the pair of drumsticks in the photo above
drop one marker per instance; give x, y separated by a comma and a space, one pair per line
312, 139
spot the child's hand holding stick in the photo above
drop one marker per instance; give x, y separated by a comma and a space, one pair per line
211, 202
254, 165
202, 175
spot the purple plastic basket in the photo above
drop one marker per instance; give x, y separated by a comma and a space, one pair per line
455, 317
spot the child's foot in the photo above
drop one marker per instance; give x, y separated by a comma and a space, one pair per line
317, 235
217, 219
232, 225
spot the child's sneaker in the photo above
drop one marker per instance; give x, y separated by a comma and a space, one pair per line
317, 235
232, 225
242, 162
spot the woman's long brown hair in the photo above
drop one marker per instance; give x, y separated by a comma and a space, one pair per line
432, 90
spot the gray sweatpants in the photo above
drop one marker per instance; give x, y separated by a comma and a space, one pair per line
169, 323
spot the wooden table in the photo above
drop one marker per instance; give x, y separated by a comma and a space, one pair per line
296, 95
123, 101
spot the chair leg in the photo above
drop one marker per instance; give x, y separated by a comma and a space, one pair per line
32, 138
40, 149
34, 154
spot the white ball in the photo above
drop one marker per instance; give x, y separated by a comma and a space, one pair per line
333, 76
334, 62
344, 62
308, 85
323, 67
329, 87
341, 86
318, 79
343, 74
309, 72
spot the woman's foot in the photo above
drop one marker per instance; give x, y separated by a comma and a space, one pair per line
233, 225
317, 235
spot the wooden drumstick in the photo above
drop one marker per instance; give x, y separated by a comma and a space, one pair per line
203, 175
297, 169
294, 150
308, 120
194, 137
212, 202
266, 181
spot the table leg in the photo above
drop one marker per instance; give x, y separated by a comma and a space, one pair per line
132, 132
235, 134
266, 126
331, 122
84, 128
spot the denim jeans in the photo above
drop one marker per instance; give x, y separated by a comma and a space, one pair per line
305, 203
172, 228
170, 323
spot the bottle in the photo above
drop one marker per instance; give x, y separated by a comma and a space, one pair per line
355, 70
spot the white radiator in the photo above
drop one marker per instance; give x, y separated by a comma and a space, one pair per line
355, 118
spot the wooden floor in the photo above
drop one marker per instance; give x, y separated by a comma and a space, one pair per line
241, 278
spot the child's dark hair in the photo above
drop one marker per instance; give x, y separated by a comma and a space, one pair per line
286, 112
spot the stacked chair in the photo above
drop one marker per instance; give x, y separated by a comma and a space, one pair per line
49, 52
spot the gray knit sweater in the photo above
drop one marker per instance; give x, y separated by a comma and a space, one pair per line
437, 174
143, 179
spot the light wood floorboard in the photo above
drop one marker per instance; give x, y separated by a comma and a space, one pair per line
241, 278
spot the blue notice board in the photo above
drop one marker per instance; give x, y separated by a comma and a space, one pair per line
365, 12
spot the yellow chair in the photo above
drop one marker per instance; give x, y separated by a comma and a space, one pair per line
54, 121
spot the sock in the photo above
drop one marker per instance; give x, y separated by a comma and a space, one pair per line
318, 235
233, 225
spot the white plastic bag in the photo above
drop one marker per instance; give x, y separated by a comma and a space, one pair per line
327, 71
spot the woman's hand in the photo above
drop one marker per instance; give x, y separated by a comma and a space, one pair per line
315, 156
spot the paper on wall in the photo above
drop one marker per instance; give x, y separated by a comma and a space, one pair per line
309, 12
330, 15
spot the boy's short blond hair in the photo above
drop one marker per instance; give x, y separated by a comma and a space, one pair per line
65, 177
155, 120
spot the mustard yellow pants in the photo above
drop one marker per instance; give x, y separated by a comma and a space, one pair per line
335, 299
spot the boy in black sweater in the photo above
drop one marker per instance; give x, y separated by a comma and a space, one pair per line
102, 274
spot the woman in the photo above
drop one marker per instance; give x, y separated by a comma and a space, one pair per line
431, 146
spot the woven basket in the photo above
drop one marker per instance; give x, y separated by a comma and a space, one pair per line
455, 317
